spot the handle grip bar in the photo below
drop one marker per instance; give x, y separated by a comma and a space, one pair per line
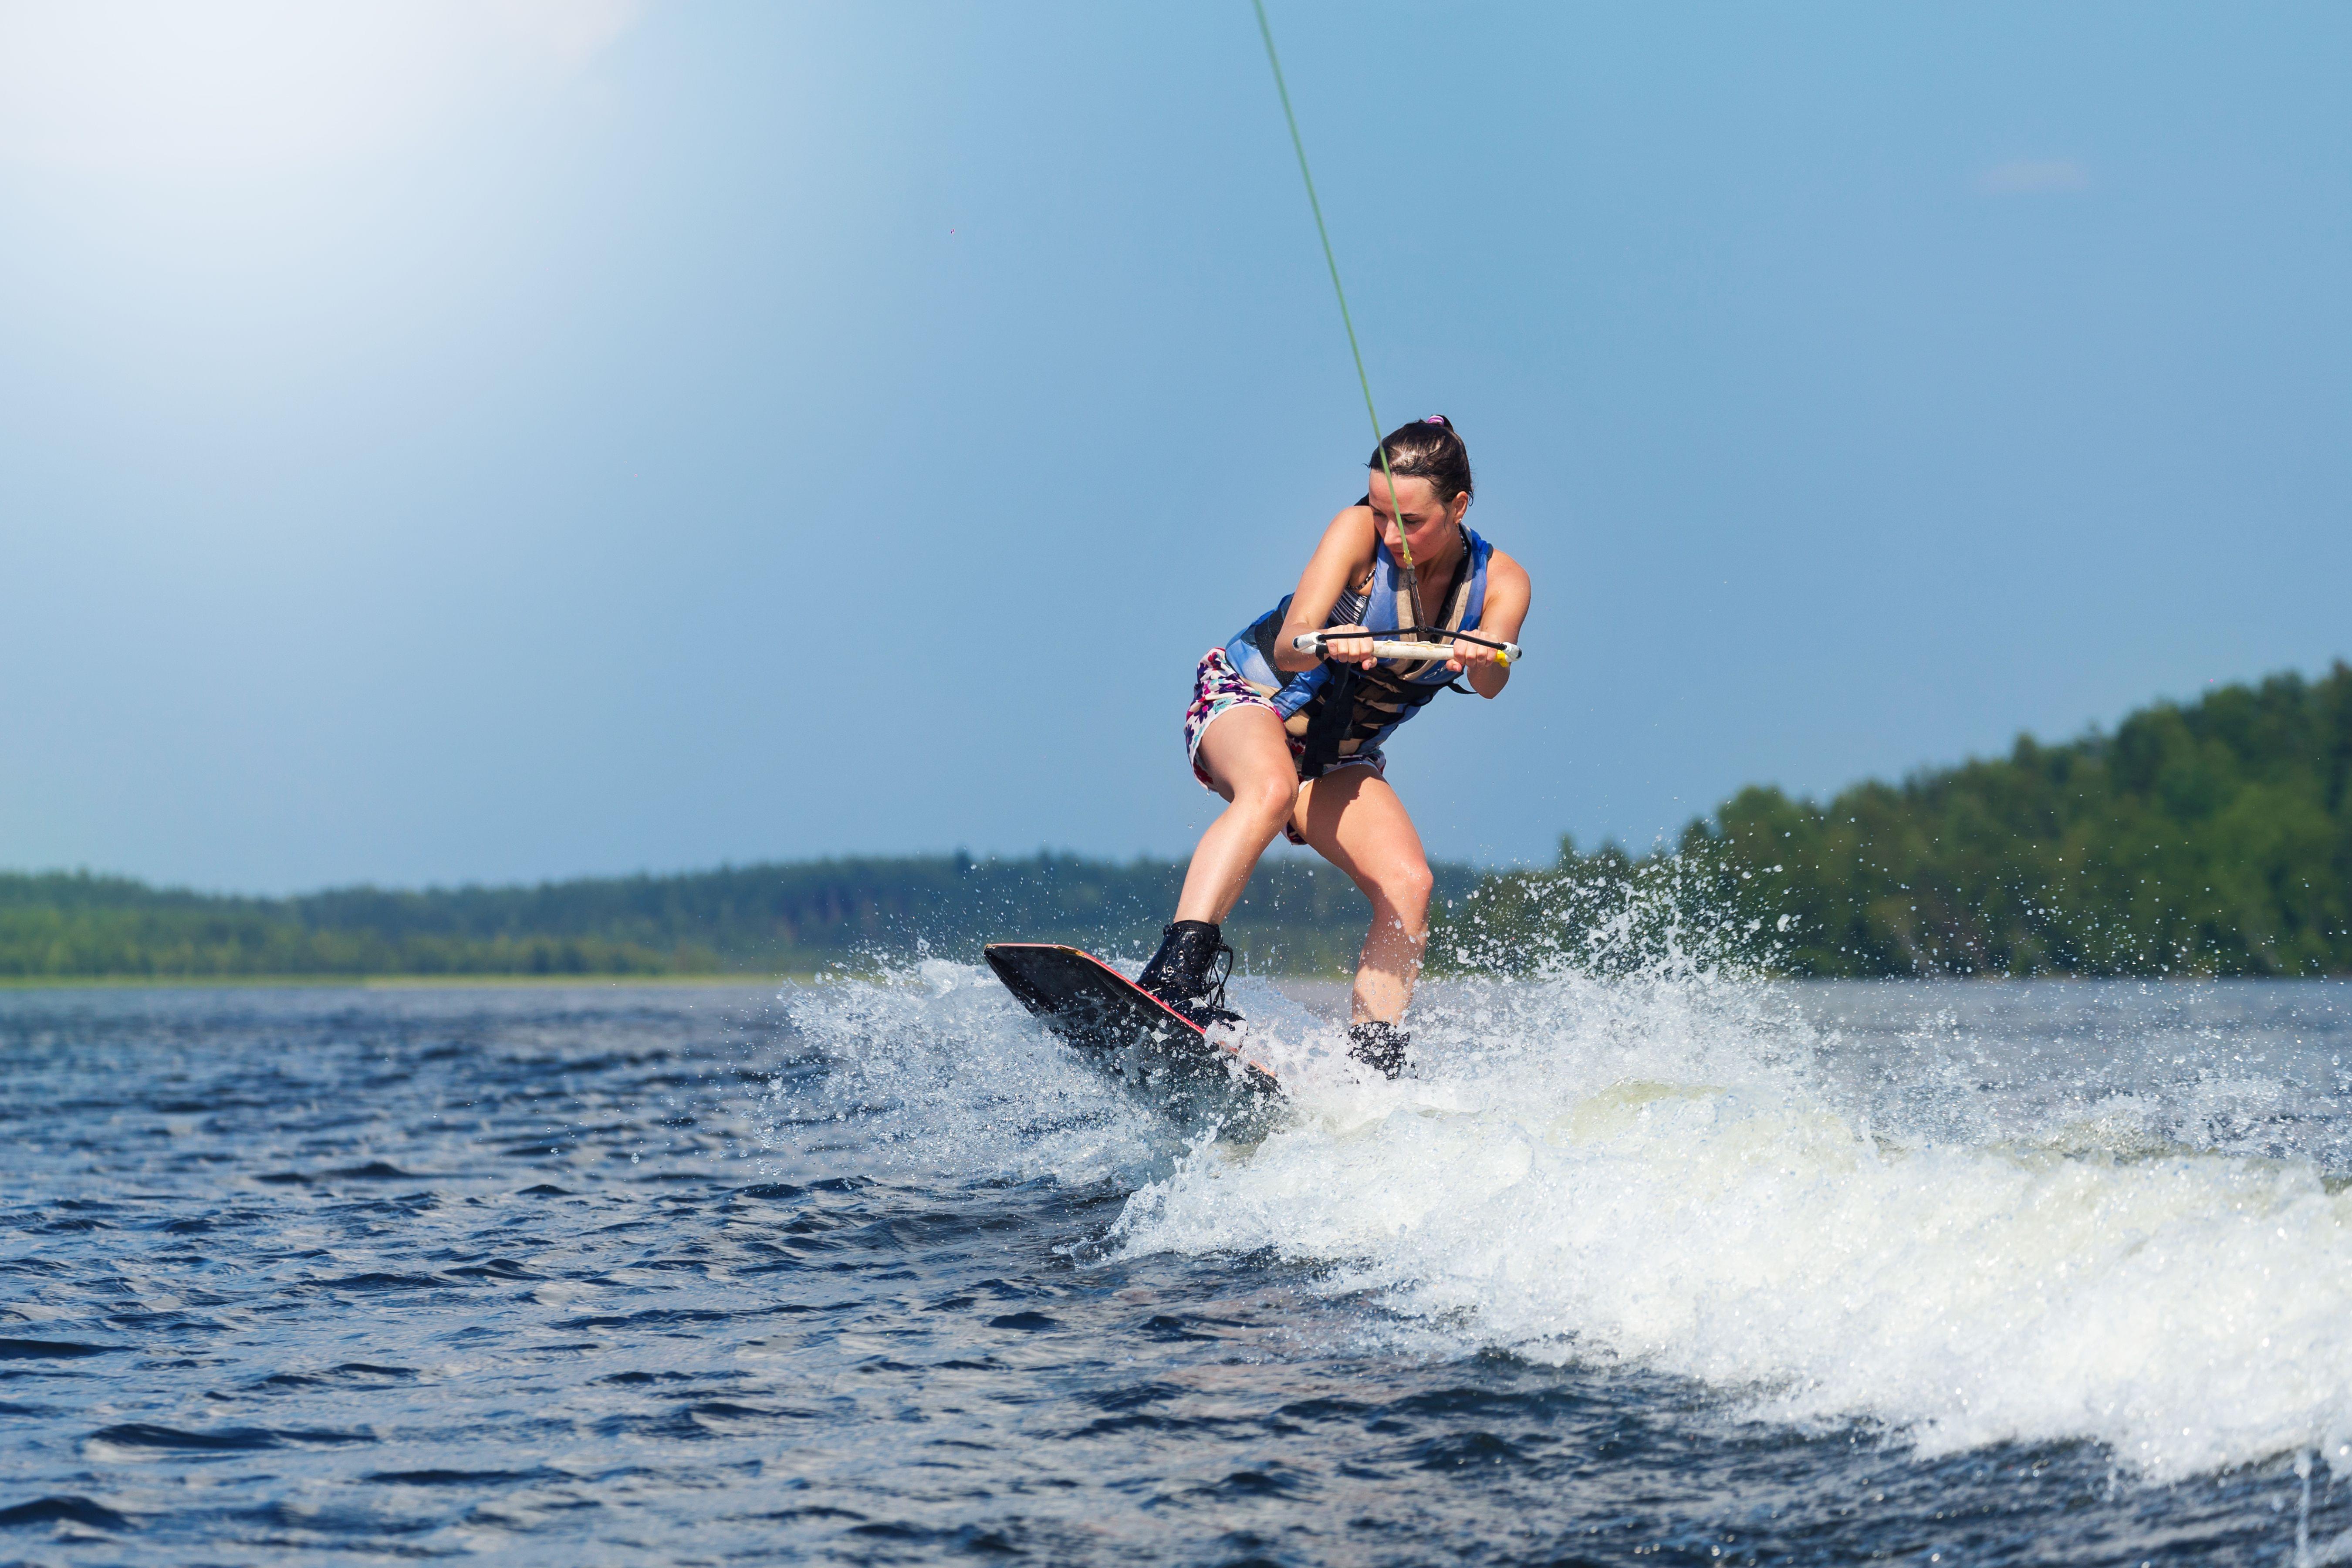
1384, 647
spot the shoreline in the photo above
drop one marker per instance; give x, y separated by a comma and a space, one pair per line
376, 982
1311, 982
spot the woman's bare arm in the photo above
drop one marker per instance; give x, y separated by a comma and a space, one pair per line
1505, 611
1342, 558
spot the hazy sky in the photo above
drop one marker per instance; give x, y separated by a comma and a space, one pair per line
491, 441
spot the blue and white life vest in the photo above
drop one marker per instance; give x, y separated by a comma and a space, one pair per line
1342, 712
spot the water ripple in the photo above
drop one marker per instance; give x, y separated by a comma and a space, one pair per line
613, 1274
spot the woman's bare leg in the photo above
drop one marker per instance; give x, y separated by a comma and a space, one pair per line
1246, 754
1355, 821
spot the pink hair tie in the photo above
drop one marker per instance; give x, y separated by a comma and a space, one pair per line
1434, 419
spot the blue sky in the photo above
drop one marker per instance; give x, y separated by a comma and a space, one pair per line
520, 439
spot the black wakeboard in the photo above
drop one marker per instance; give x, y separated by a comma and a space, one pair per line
1133, 1035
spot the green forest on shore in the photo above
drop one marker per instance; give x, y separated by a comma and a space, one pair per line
1297, 917
2208, 839
2213, 838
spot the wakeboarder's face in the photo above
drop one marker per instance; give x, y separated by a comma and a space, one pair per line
1427, 520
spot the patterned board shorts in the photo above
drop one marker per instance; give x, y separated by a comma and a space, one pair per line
1217, 686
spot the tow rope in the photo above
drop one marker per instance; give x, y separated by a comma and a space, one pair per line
1379, 437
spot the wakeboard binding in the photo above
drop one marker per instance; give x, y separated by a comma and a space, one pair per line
1179, 974
1379, 1047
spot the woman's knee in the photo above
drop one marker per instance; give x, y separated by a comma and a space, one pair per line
1405, 890
1268, 799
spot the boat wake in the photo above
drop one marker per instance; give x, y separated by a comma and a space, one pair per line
1829, 1204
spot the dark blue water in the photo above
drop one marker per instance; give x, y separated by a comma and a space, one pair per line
696, 1276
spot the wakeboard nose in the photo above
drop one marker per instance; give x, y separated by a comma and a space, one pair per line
1127, 1031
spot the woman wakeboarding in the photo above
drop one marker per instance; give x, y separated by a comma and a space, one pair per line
1288, 719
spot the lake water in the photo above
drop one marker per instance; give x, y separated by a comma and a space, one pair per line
1671, 1269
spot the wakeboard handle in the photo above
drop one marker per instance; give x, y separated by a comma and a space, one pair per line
1387, 647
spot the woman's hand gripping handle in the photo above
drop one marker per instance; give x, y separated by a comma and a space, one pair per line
1354, 644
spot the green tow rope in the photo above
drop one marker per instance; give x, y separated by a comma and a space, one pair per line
1380, 441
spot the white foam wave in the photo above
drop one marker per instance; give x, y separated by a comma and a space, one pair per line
1659, 1172
936, 1069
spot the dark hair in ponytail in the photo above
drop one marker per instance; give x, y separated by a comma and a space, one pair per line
1429, 449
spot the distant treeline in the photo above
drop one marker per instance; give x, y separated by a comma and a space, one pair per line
2207, 839
1299, 917
2213, 838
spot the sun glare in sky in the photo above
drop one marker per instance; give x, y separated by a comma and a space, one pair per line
252, 86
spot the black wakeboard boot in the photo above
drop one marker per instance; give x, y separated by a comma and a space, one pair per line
1378, 1046
1178, 972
